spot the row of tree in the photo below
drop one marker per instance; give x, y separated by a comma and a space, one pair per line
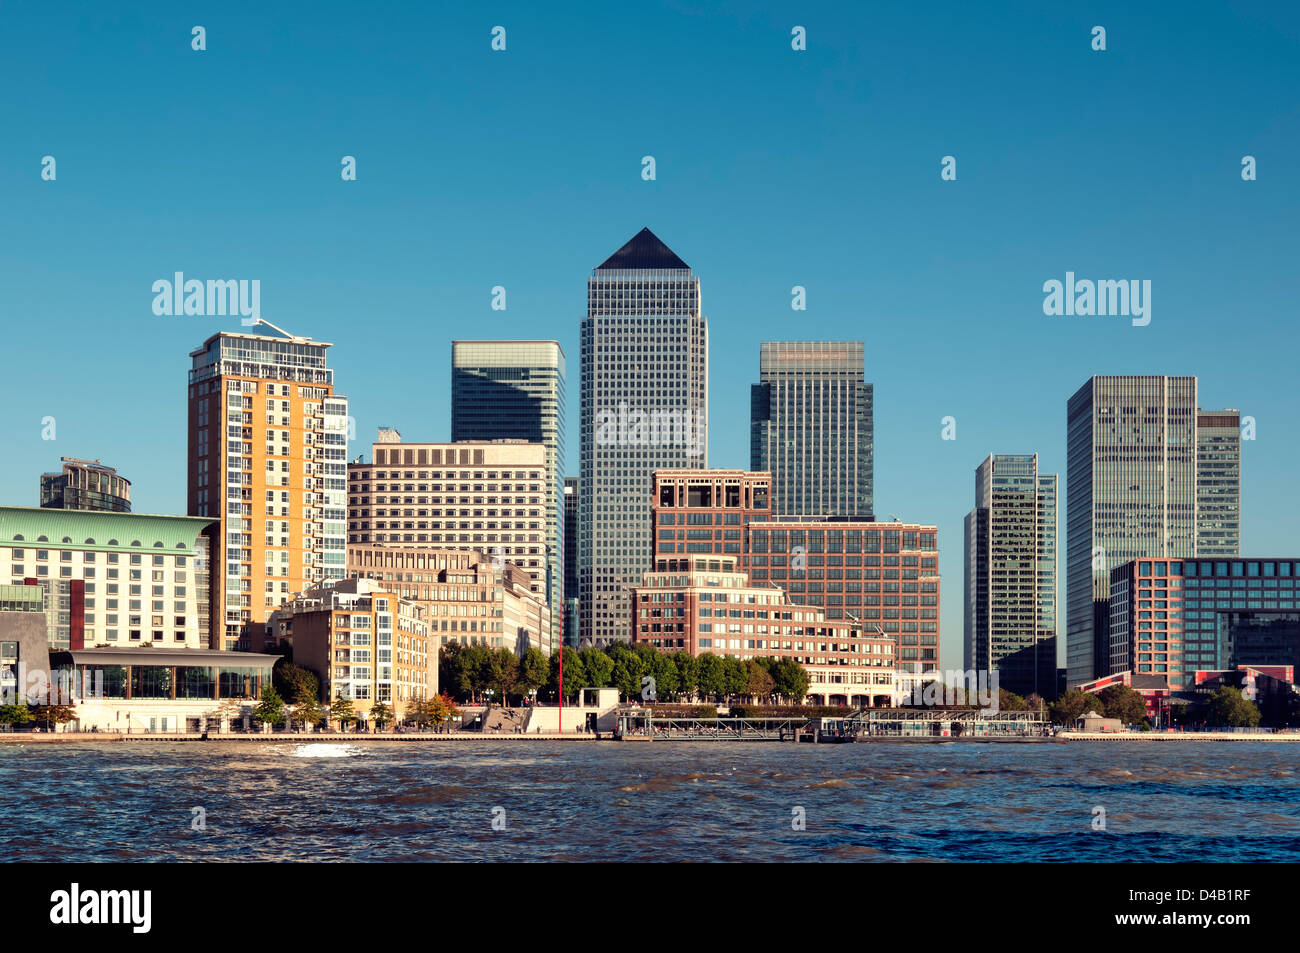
639, 672
308, 712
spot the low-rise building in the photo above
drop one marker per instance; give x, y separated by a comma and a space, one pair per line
24, 644
86, 485
363, 642
1154, 690
112, 579
707, 604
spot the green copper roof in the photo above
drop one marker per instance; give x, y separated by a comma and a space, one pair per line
103, 532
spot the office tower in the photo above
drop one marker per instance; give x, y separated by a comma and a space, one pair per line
1215, 614
571, 497
1218, 483
514, 390
1011, 574
268, 440
706, 511
483, 495
112, 579
885, 575
86, 485
811, 428
468, 598
681, 605
645, 356
1130, 494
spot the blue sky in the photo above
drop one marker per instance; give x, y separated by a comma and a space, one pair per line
775, 168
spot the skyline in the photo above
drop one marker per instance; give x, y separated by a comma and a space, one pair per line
890, 254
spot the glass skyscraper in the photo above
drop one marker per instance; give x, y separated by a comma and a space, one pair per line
645, 358
514, 390
811, 426
1130, 494
1011, 574
1218, 483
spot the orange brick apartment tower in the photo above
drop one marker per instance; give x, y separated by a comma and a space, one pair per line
268, 441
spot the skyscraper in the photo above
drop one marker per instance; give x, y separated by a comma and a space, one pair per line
514, 390
1011, 574
645, 356
1218, 483
1131, 487
811, 426
268, 443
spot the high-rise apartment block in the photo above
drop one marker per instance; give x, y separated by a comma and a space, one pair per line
514, 390
1010, 570
645, 354
267, 457
571, 601
811, 428
86, 485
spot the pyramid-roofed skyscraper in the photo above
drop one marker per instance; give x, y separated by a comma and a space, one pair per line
645, 359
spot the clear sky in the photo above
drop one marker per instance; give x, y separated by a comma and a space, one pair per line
775, 168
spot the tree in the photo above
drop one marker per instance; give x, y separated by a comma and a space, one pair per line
442, 709
1228, 707
306, 707
534, 669
1034, 702
1072, 705
382, 714
575, 674
661, 667
598, 666
52, 711
270, 707
501, 672
15, 715
1122, 702
628, 669
688, 673
758, 683
711, 675
1010, 701
290, 680
735, 676
343, 711
790, 680
454, 671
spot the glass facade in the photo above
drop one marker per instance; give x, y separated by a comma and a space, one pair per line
514, 390
811, 426
644, 408
1218, 483
1130, 494
1010, 571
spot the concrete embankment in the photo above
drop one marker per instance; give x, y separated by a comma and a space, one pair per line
1177, 736
70, 737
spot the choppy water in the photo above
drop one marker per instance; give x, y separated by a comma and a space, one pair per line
655, 802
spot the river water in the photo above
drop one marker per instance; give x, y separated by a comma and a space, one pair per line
728, 801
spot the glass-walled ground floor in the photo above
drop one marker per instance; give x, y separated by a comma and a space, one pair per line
198, 675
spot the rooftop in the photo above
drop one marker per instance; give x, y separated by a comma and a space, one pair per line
643, 252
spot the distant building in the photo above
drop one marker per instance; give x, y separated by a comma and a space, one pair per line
466, 597
86, 485
1218, 483
645, 364
365, 644
1131, 490
811, 428
1154, 690
706, 511
708, 604
24, 644
113, 578
1010, 564
503, 390
885, 575
1174, 617
485, 495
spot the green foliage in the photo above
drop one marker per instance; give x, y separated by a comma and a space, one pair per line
711, 676
534, 670
628, 669
790, 680
598, 667
306, 708
735, 676
16, 715
575, 674
270, 707
343, 711
1122, 702
418, 712
1228, 708
1073, 704
1010, 701
758, 683
688, 674
381, 714
290, 680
